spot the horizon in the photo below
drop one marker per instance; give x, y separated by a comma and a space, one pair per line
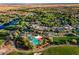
39, 3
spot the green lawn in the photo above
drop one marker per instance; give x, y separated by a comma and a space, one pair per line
66, 38
62, 50
62, 40
20, 53
1, 41
3, 34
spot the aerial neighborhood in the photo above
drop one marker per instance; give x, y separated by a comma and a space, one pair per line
45, 29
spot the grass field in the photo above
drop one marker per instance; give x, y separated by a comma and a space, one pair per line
20, 53
62, 50
3, 33
62, 40
65, 37
1, 41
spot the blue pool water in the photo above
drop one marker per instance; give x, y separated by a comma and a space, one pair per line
34, 40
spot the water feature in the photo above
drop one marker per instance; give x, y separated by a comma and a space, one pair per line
9, 23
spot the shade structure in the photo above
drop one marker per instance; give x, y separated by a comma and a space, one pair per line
39, 37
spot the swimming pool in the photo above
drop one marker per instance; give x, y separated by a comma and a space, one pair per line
34, 40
